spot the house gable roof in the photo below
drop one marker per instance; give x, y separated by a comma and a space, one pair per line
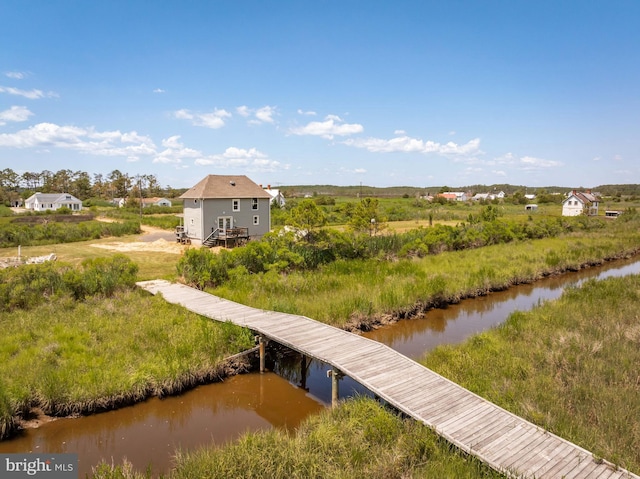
53, 198
225, 186
584, 198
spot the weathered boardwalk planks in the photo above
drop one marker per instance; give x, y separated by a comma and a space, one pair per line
504, 441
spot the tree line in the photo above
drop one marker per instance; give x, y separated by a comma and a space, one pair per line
80, 184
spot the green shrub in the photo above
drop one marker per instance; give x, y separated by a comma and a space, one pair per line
29, 285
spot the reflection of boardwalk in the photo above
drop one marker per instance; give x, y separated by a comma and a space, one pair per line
502, 440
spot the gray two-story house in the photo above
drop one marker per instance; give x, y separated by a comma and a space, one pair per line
220, 207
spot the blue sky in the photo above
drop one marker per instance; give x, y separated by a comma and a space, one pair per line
417, 93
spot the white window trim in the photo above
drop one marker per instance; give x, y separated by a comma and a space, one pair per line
235, 202
256, 220
255, 202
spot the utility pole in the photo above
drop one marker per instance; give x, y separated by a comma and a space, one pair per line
140, 191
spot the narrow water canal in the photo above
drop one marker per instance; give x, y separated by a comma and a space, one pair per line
150, 432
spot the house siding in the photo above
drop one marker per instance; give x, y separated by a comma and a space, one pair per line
192, 210
575, 206
205, 214
52, 201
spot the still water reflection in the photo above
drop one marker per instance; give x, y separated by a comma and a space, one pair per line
457, 322
150, 432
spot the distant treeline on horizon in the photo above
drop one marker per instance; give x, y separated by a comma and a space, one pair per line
117, 184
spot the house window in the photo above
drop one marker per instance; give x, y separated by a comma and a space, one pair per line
192, 222
235, 205
256, 220
195, 202
254, 203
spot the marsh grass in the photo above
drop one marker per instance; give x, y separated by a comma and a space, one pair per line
359, 439
72, 357
570, 366
358, 293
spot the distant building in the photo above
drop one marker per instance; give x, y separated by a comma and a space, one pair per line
52, 201
119, 202
454, 196
277, 198
580, 203
155, 202
488, 196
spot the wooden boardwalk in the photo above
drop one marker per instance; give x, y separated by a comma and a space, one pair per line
504, 441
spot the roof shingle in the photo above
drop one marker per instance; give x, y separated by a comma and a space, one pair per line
225, 186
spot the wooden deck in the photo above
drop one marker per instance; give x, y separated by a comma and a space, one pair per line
504, 441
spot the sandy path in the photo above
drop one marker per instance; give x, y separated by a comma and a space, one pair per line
152, 239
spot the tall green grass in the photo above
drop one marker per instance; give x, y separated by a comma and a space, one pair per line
570, 366
15, 234
358, 293
103, 352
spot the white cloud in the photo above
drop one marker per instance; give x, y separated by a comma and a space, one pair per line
332, 126
213, 120
358, 171
506, 159
175, 151
16, 75
452, 133
399, 132
15, 113
265, 114
243, 111
531, 163
30, 94
307, 113
251, 160
407, 144
259, 116
159, 90
499, 173
617, 158
596, 158
84, 140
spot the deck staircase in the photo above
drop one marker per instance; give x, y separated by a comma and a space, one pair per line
212, 239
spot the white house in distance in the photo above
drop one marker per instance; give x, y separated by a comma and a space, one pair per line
277, 198
155, 202
580, 203
224, 207
52, 201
